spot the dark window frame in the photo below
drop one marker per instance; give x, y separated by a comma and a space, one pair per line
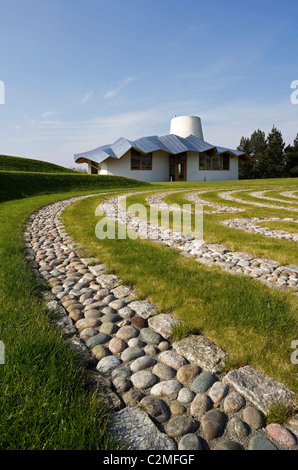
206, 161
142, 166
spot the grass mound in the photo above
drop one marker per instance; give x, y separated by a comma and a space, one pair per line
9, 163
17, 185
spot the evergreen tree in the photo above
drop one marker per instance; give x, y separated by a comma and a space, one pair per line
291, 159
254, 147
245, 166
259, 147
272, 162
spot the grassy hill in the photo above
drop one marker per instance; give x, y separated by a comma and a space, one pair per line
9, 163
23, 177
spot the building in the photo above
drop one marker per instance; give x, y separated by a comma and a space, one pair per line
182, 155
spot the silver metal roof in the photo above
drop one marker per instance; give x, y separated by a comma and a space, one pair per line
170, 143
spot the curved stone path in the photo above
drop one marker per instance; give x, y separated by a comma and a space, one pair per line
290, 194
157, 200
250, 225
162, 395
228, 196
260, 195
241, 263
195, 197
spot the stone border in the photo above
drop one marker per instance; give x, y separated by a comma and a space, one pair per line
166, 400
264, 270
250, 225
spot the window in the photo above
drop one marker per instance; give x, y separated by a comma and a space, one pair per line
202, 161
214, 162
140, 161
225, 161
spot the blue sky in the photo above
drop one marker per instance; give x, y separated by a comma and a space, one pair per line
82, 73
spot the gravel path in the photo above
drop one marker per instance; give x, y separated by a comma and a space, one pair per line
162, 395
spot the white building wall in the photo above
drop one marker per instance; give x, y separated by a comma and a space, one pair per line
121, 167
160, 169
194, 174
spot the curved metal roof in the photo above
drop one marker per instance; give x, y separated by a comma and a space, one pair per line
170, 143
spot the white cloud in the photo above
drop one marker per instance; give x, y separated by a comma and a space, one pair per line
48, 113
86, 97
115, 91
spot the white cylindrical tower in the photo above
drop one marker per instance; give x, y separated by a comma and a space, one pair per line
187, 125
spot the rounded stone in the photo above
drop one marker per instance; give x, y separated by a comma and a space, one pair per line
190, 442
181, 425
185, 395
109, 311
131, 353
213, 424
233, 402
163, 371
76, 315
88, 333
188, 373
177, 408
237, 428
138, 321
253, 417
150, 350
87, 323
100, 338
172, 359
99, 352
132, 397
117, 304
200, 405
111, 318
150, 336
261, 443
281, 435
127, 332
108, 299
143, 379
217, 392
121, 384
109, 328
203, 382
163, 346
156, 408
168, 387
116, 346
126, 312
142, 363
107, 364
228, 445
123, 372
135, 342
93, 313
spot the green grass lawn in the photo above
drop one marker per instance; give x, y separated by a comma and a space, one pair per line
253, 323
46, 398
47, 401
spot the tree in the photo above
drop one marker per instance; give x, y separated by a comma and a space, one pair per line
259, 147
291, 159
254, 147
272, 162
245, 167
